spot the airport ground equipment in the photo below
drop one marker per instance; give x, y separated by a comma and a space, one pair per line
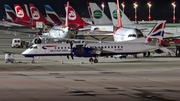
16, 43
9, 58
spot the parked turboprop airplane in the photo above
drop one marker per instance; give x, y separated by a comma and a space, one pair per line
135, 46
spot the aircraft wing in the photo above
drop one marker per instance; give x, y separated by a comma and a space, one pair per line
171, 36
89, 33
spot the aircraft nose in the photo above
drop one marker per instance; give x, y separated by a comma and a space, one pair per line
23, 53
26, 53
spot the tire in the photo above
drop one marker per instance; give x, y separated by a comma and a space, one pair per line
91, 60
95, 60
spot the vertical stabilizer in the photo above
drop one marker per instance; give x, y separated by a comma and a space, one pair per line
113, 11
98, 15
52, 15
90, 12
36, 15
10, 14
118, 14
157, 32
20, 14
27, 10
74, 20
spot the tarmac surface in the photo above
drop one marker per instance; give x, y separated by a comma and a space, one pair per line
59, 79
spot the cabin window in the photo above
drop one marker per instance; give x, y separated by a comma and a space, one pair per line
114, 46
98, 46
108, 46
111, 46
68, 47
58, 47
118, 46
101, 46
61, 47
104, 46
121, 46
64, 47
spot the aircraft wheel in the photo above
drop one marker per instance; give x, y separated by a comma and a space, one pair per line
37, 41
95, 60
91, 60
33, 62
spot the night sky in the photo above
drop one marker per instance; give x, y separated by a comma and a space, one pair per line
160, 10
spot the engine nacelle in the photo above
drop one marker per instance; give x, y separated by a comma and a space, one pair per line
84, 52
37, 41
158, 51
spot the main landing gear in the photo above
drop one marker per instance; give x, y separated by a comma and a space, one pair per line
93, 60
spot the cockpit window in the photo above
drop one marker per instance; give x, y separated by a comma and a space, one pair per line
132, 35
139, 33
33, 47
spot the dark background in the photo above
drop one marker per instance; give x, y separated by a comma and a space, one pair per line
160, 10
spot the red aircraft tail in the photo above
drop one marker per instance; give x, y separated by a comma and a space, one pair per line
21, 15
36, 15
74, 20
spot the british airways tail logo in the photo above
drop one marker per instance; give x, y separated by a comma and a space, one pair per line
158, 30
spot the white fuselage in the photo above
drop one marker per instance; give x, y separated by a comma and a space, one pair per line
126, 34
128, 47
57, 32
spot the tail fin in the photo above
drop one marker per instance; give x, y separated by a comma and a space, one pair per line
10, 14
74, 19
157, 32
36, 15
27, 10
52, 15
118, 14
90, 12
20, 13
113, 11
98, 15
